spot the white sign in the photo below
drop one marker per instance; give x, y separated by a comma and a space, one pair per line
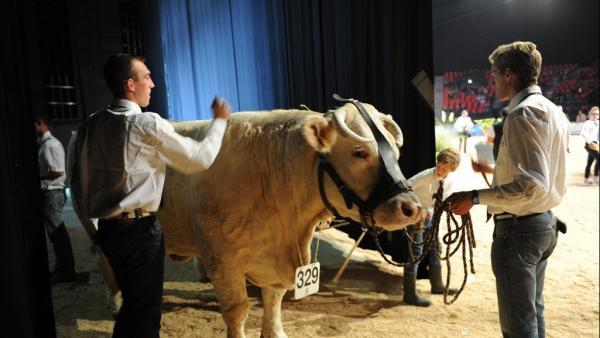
307, 280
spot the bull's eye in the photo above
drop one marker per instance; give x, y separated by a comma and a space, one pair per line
360, 153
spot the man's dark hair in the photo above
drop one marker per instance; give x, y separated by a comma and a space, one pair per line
118, 69
42, 117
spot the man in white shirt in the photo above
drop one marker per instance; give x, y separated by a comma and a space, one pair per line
121, 158
51, 163
463, 126
589, 132
529, 180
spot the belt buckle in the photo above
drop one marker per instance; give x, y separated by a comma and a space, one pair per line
504, 216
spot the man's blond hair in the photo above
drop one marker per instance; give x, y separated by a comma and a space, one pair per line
522, 57
449, 156
594, 109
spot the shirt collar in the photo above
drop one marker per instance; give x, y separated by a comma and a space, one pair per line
514, 102
43, 138
124, 106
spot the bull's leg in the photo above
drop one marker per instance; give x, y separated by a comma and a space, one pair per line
113, 292
271, 323
233, 300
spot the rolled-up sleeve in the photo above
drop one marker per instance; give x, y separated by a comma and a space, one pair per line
185, 154
528, 163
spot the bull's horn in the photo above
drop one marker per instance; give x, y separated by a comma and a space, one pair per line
397, 132
340, 118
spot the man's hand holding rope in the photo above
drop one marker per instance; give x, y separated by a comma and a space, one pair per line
460, 202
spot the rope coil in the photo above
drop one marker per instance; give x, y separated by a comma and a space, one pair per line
462, 236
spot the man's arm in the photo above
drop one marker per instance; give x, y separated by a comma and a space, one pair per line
55, 158
187, 155
527, 159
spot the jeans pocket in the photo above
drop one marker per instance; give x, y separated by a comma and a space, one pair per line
132, 251
532, 247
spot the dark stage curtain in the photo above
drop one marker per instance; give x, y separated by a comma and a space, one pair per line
370, 51
25, 287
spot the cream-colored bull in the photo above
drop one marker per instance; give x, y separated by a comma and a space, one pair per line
252, 215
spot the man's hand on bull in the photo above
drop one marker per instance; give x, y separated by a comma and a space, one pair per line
460, 202
220, 108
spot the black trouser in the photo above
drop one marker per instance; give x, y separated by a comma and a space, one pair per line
135, 249
592, 156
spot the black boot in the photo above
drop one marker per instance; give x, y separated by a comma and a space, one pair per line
64, 266
411, 296
437, 285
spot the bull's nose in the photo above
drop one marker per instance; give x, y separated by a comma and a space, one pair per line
410, 209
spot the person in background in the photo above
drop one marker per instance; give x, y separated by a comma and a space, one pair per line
51, 162
121, 154
463, 127
580, 117
529, 180
425, 184
589, 132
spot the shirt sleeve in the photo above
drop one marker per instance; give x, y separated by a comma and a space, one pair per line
185, 154
55, 158
525, 137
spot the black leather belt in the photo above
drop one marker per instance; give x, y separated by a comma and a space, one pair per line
506, 215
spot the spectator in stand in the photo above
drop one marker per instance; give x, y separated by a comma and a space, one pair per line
589, 132
580, 117
463, 126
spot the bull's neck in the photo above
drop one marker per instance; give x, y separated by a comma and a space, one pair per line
300, 189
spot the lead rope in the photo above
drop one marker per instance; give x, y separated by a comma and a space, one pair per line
462, 236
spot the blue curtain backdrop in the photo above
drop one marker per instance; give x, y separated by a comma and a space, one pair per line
207, 52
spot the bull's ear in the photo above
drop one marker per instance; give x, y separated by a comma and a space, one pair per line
320, 133
393, 128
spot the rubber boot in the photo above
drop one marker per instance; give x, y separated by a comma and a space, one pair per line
411, 296
64, 266
437, 285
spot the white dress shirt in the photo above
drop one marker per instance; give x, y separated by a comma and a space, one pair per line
425, 184
589, 131
530, 173
123, 154
51, 158
463, 124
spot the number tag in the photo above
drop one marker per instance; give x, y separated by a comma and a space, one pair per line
307, 280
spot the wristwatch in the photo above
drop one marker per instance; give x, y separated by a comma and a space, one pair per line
475, 197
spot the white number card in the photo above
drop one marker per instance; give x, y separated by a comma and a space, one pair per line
307, 280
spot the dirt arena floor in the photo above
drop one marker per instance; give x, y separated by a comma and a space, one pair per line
367, 302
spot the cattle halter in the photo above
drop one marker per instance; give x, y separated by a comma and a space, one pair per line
391, 180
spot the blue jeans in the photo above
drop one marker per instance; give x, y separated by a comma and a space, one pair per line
520, 252
54, 202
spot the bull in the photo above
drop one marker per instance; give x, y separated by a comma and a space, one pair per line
251, 216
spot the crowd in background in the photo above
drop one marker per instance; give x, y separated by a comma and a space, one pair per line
571, 86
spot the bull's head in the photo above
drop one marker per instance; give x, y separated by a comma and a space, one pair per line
359, 169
